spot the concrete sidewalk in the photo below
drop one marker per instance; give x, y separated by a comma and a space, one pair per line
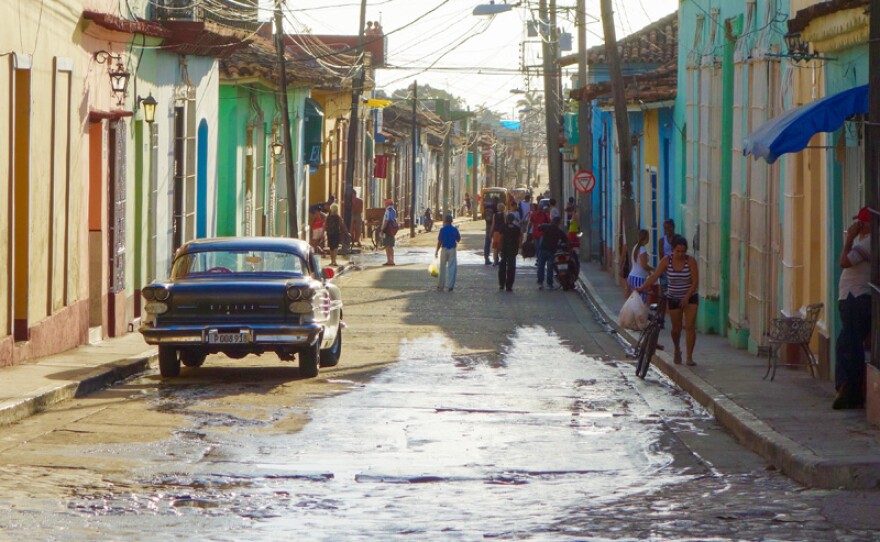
788, 421
30, 387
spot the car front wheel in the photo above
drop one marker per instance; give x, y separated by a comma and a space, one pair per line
169, 362
193, 358
330, 356
310, 359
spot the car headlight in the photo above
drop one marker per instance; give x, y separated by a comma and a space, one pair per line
162, 294
149, 294
295, 293
156, 307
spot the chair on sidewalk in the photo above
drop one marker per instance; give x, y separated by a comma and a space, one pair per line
795, 331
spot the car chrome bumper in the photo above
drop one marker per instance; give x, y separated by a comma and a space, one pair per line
253, 334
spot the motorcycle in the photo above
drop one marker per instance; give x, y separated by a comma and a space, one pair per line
567, 265
428, 220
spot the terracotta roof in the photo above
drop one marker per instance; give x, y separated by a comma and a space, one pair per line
656, 43
118, 24
805, 16
649, 87
204, 39
397, 122
259, 60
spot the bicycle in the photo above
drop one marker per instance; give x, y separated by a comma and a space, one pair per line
647, 344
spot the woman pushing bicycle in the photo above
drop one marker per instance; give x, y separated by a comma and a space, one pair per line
683, 281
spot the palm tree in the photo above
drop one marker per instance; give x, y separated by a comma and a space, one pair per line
531, 109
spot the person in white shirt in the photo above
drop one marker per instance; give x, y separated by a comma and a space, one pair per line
854, 303
525, 209
640, 269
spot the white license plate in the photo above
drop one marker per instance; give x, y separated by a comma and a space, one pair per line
229, 338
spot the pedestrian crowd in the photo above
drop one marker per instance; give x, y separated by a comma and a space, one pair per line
538, 228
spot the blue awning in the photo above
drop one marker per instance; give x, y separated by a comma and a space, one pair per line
510, 124
791, 131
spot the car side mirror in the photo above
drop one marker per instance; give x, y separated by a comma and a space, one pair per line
327, 273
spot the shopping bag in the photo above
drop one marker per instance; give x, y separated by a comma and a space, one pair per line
434, 268
634, 313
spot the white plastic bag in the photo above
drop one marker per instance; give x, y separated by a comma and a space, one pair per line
434, 268
634, 314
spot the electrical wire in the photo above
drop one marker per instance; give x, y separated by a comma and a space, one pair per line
444, 50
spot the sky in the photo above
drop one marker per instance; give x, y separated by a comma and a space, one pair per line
440, 42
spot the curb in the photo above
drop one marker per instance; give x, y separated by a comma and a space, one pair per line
95, 379
794, 460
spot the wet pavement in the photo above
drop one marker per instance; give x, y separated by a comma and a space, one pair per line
469, 415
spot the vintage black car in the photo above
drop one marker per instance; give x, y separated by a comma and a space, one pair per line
245, 295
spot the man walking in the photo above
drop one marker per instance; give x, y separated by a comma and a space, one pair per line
510, 237
525, 211
854, 303
389, 231
357, 219
447, 240
490, 207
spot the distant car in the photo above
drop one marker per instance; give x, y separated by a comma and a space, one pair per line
245, 295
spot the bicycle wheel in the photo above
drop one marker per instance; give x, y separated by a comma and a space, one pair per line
377, 237
640, 344
646, 353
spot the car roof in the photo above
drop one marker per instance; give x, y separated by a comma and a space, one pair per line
277, 244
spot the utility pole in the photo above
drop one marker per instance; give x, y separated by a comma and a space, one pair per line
447, 117
585, 134
551, 97
474, 203
415, 146
872, 157
621, 118
357, 87
292, 202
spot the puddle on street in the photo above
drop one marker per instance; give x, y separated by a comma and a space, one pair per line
475, 444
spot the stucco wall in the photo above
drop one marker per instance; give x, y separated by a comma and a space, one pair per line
43, 46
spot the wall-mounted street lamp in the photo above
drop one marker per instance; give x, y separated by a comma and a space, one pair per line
799, 50
119, 76
277, 149
149, 108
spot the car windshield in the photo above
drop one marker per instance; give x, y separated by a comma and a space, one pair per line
216, 262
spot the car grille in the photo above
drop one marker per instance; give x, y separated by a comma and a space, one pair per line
213, 312
238, 308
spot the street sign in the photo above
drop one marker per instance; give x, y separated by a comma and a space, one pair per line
584, 181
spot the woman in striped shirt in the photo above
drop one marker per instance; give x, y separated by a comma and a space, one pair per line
683, 279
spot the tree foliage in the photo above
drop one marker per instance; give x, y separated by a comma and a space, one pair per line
427, 92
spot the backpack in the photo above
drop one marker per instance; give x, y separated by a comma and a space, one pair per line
391, 228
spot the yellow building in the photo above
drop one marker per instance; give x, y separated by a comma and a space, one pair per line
43, 168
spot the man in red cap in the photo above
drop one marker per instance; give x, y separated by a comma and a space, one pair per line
854, 303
